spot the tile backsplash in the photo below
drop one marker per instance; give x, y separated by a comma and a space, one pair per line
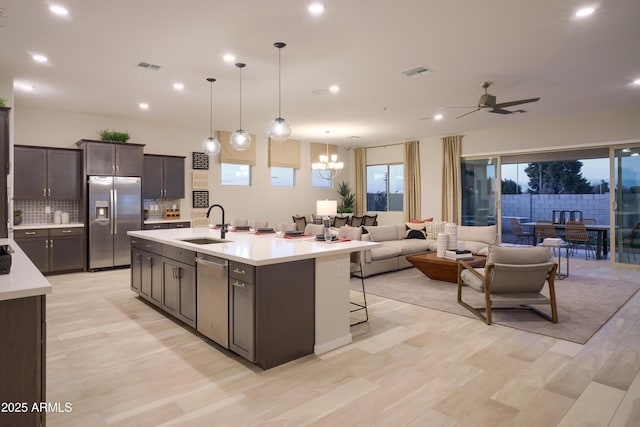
33, 211
162, 205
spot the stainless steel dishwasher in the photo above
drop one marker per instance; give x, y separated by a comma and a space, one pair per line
213, 298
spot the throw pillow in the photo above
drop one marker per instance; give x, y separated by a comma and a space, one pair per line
415, 231
420, 221
433, 228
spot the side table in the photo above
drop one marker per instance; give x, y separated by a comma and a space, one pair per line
560, 245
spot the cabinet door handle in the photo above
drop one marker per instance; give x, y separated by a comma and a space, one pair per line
66, 231
156, 226
51, 243
44, 192
117, 168
147, 246
238, 284
46, 244
235, 270
29, 233
113, 168
48, 192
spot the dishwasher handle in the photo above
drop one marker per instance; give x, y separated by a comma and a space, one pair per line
214, 264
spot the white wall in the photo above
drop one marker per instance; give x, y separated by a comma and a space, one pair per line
34, 126
6, 92
61, 129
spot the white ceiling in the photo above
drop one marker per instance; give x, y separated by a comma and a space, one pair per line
528, 48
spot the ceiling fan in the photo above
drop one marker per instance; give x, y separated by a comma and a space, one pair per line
489, 101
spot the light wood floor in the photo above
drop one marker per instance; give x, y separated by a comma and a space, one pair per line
121, 363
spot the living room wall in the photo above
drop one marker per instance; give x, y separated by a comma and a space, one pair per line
54, 128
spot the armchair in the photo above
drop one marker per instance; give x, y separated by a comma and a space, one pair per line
512, 279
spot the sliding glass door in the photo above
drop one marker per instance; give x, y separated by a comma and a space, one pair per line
480, 191
626, 206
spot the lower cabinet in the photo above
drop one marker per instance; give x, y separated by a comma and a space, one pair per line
23, 361
164, 225
165, 276
272, 311
53, 250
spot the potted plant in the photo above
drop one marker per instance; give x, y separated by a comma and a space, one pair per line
347, 198
114, 136
17, 217
3, 102
146, 214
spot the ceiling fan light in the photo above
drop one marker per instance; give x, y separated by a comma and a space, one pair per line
240, 140
279, 129
211, 146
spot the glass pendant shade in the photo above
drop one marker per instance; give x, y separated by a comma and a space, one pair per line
211, 146
240, 140
279, 129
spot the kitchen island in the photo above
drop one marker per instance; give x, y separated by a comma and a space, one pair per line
292, 279
23, 339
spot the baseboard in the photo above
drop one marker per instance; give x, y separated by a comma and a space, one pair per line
333, 344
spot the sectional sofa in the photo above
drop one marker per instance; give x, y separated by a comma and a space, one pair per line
399, 240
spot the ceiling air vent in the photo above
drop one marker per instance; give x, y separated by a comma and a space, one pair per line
416, 72
148, 66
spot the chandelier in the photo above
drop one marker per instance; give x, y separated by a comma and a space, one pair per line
328, 167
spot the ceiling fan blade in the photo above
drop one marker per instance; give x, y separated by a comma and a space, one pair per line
466, 114
500, 111
519, 102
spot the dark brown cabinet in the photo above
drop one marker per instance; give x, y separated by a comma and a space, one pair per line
146, 270
47, 173
23, 359
163, 225
266, 301
112, 158
53, 250
4, 168
163, 177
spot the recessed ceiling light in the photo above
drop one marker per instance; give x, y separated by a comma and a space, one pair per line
584, 12
143, 106
316, 9
229, 57
636, 82
39, 58
438, 117
56, 9
178, 86
334, 88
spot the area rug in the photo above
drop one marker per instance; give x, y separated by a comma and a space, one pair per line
585, 304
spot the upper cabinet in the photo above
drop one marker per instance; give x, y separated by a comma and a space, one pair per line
163, 177
47, 173
4, 167
112, 158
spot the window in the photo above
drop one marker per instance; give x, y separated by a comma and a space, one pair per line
282, 177
319, 182
385, 187
233, 174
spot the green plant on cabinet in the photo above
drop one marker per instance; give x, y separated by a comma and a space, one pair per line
114, 136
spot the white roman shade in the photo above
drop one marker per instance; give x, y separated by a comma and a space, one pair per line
284, 154
229, 155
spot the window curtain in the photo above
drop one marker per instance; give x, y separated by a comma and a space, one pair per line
284, 154
361, 176
451, 179
229, 155
411, 206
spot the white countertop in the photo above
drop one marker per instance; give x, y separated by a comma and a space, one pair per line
251, 248
33, 226
25, 280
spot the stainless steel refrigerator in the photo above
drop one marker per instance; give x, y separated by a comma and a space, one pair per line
115, 207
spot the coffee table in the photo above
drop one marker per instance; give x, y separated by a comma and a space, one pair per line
445, 269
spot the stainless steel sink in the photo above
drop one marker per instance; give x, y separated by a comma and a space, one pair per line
204, 240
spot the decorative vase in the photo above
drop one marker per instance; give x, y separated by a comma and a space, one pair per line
17, 220
452, 231
442, 243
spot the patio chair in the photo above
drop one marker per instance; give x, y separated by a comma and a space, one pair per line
631, 243
521, 235
512, 279
576, 234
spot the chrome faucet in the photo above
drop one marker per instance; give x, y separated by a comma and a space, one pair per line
224, 225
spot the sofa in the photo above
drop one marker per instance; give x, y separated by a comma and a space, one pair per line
399, 240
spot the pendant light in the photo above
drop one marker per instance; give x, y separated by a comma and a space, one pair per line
240, 139
279, 129
211, 146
